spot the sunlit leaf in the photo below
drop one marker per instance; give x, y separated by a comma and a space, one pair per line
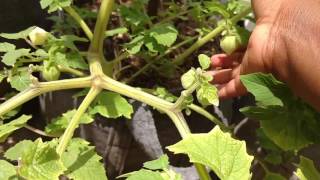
82, 162
207, 94
161, 163
188, 78
15, 152
11, 57
307, 170
226, 156
19, 35
21, 81
41, 161
7, 171
204, 61
112, 105
5, 47
59, 124
8, 128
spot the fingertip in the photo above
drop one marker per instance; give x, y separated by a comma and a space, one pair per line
221, 76
217, 60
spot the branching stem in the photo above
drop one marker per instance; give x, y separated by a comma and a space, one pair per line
101, 25
181, 58
40, 88
80, 21
184, 94
74, 123
71, 71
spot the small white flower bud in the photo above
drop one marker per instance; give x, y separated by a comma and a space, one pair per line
38, 36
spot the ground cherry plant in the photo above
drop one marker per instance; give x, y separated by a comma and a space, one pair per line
287, 123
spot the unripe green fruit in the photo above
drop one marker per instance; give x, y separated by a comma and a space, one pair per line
50, 72
229, 44
38, 36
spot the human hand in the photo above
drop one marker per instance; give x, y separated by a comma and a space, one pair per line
285, 42
254, 58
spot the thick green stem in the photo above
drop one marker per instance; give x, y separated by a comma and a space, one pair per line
96, 46
74, 123
80, 21
182, 126
101, 25
40, 88
71, 71
181, 58
184, 94
202, 171
134, 93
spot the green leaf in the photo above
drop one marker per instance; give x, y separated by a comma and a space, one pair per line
160, 163
207, 95
266, 142
82, 161
189, 78
11, 113
273, 176
133, 16
41, 53
237, 6
160, 171
20, 35
164, 34
286, 120
274, 153
69, 40
21, 81
135, 45
45, 3
274, 157
5, 47
218, 7
75, 60
54, 5
112, 105
41, 161
164, 94
153, 46
10, 58
120, 30
7, 171
15, 152
307, 170
265, 88
204, 61
8, 128
226, 156
58, 125
281, 126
